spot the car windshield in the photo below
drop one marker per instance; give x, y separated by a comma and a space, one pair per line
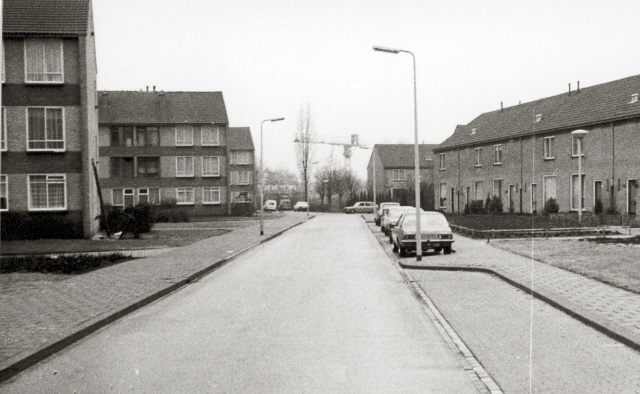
426, 221
396, 213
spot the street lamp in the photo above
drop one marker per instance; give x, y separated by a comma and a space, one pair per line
262, 175
416, 149
579, 134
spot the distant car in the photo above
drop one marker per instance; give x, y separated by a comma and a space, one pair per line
301, 206
434, 229
270, 206
285, 205
360, 207
377, 215
391, 217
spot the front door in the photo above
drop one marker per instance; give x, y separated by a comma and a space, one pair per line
632, 187
453, 191
512, 192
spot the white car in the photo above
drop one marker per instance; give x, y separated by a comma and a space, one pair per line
270, 205
391, 217
301, 206
377, 214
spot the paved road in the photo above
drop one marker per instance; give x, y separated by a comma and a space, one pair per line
319, 309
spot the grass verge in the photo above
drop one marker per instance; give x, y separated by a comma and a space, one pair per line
76, 264
614, 264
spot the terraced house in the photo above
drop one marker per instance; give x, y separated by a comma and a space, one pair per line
169, 147
526, 154
49, 116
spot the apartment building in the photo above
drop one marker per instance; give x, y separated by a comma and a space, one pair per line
526, 154
49, 123
169, 147
393, 166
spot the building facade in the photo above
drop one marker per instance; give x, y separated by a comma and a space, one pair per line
242, 167
527, 155
172, 147
49, 111
393, 168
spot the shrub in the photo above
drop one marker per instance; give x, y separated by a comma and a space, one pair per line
60, 265
495, 205
467, 210
242, 209
551, 206
37, 225
477, 207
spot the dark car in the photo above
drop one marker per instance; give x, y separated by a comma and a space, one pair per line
285, 205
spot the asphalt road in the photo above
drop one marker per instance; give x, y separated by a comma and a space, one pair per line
318, 309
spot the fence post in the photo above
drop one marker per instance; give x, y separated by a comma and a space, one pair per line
489, 236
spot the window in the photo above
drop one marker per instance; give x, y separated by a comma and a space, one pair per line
2, 80
211, 166
497, 188
478, 162
497, 154
45, 128
121, 167
210, 135
575, 192
243, 177
47, 192
634, 97
443, 195
538, 118
149, 196
122, 136
398, 175
147, 136
184, 166
44, 60
123, 197
3, 129
211, 195
185, 196
548, 148
534, 197
148, 167
549, 187
243, 158
473, 131
184, 136
574, 146
478, 190
4, 193
442, 161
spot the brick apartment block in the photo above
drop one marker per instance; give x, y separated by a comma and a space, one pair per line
526, 153
49, 110
165, 147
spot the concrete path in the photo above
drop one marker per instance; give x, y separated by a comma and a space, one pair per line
40, 318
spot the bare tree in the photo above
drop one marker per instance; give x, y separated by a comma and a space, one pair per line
305, 134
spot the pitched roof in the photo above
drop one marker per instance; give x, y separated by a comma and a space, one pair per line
588, 106
240, 138
161, 107
402, 155
50, 17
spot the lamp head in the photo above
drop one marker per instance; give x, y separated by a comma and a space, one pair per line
388, 50
276, 120
579, 133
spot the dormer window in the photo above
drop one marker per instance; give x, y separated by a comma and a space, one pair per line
473, 131
538, 118
634, 98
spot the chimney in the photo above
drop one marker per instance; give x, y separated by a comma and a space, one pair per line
154, 88
501, 107
147, 88
569, 90
578, 87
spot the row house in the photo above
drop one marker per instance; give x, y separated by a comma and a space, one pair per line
393, 168
172, 147
526, 154
49, 127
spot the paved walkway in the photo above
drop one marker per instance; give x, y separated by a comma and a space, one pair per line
611, 310
44, 317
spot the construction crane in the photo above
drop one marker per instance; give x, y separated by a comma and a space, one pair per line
343, 141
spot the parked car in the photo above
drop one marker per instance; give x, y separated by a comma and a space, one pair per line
377, 215
434, 229
285, 205
360, 207
269, 206
391, 217
301, 206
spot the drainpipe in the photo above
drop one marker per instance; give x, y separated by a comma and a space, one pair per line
612, 191
521, 176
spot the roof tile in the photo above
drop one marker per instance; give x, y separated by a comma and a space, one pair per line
240, 138
402, 155
54, 17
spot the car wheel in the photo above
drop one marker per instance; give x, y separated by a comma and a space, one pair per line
447, 250
352, 211
402, 252
395, 248
390, 239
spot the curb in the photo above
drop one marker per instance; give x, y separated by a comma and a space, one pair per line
102, 321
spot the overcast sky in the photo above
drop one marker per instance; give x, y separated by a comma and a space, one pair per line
270, 58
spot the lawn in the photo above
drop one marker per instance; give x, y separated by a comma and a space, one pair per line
614, 264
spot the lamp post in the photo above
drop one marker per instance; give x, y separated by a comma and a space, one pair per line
416, 148
325, 182
262, 175
579, 134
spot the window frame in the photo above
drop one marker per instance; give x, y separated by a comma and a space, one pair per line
478, 157
497, 154
215, 130
442, 161
397, 177
185, 190
248, 173
214, 173
187, 174
4, 142
584, 189
442, 201
548, 148
211, 189
574, 153
545, 198
4, 184
64, 129
26, 62
501, 184
475, 190
48, 208
244, 155
145, 159
183, 127
120, 175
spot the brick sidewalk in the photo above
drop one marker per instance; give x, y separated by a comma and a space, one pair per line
40, 319
610, 310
